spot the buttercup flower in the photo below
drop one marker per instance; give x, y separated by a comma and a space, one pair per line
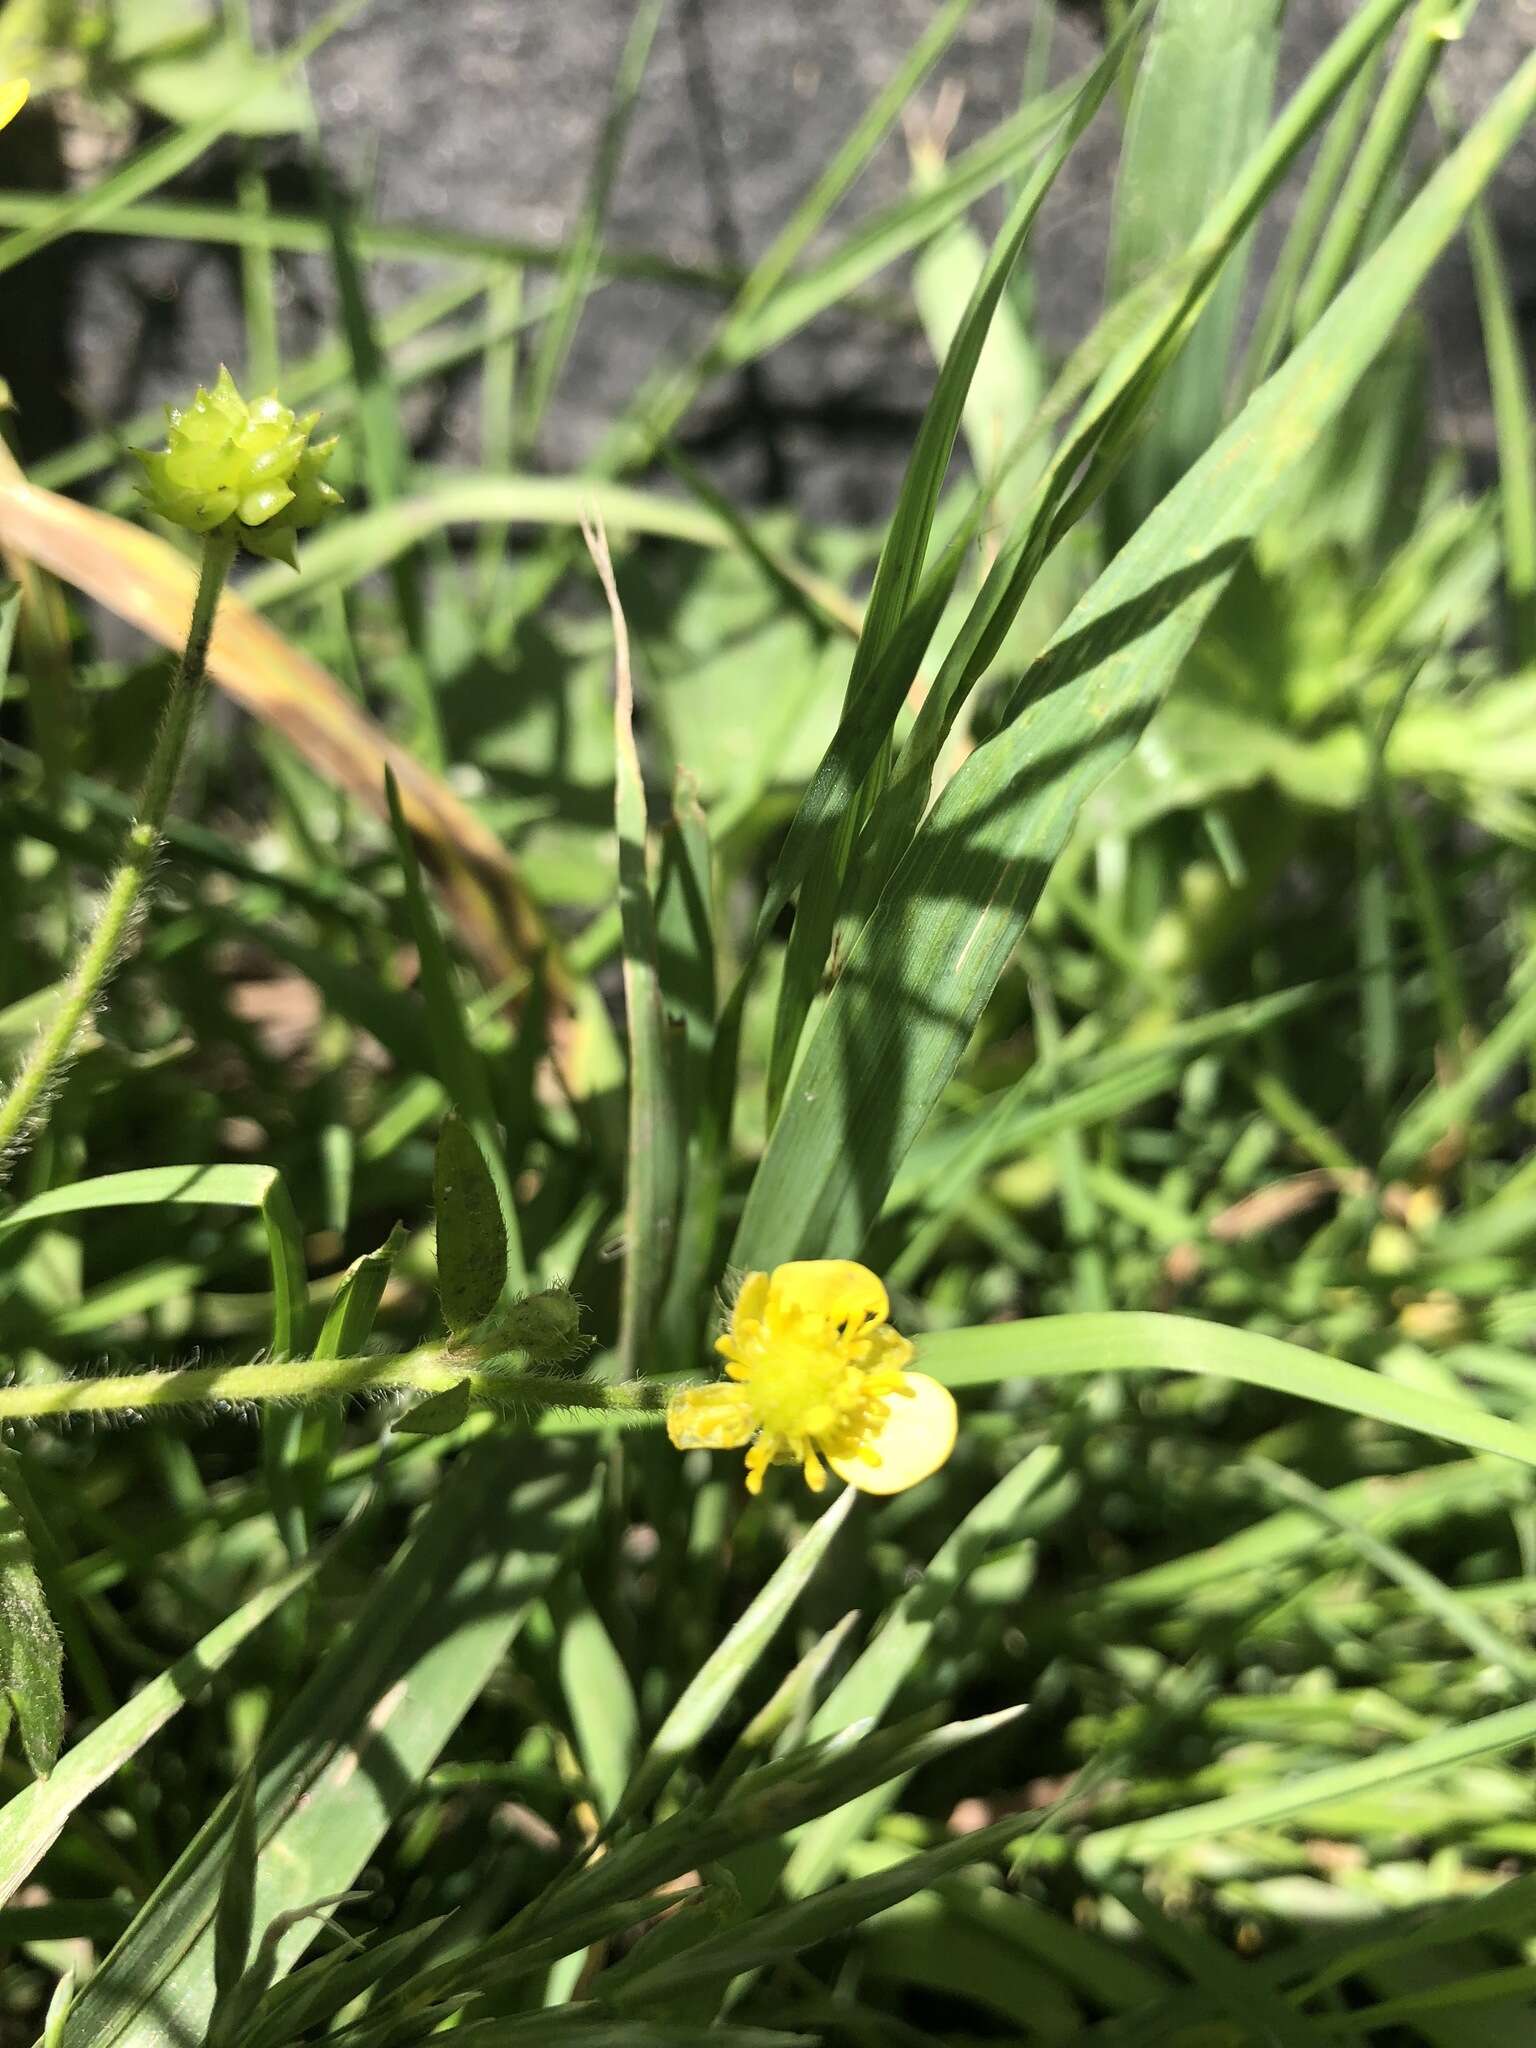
815, 1372
13, 97
249, 471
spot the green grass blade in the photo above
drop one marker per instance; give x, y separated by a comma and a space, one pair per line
822, 835
1199, 108
925, 965
655, 1157
1455, 1615
1356, 214
1440, 1108
602, 1705
579, 264
720, 1678
386, 464
894, 231
1277, 310
355, 547
1057, 1346
848, 163
1514, 425
877, 1675
1309, 1795
1122, 360
460, 1063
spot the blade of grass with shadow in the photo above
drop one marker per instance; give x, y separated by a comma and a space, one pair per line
581, 256
925, 964
1356, 215
820, 839
1199, 108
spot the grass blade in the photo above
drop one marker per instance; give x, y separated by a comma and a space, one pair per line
1199, 108
654, 1181
1056, 1346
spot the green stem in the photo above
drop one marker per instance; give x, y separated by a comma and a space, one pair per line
433, 1371
24, 1105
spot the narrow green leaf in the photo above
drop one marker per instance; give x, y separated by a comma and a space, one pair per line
685, 937
438, 1415
237, 1187
583, 246
233, 1920
894, 231
655, 1137
349, 1319
790, 1929
471, 1236
1514, 422
602, 1703
386, 464
877, 1675
1439, 1109
1199, 108
1122, 361
721, 1677
1309, 1794
1357, 212
1054, 1346
31, 1654
460, 1065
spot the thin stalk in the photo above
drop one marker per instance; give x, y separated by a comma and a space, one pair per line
432, 1371
24, 1105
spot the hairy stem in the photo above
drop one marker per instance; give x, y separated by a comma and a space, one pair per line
434, 1371
25, 1103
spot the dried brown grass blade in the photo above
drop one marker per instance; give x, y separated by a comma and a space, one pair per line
145, 581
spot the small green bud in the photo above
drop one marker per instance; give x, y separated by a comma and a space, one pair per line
547, 1326
247, 471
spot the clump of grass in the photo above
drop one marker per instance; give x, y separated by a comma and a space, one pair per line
1109, 927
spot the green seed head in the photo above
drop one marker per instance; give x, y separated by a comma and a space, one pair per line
247, 471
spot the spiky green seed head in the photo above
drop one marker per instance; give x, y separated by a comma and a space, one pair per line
246, 470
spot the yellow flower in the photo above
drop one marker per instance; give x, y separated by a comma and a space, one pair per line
816, 1372
249, 471
13, 97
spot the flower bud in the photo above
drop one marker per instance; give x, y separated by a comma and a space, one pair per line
248, 472
547, 1326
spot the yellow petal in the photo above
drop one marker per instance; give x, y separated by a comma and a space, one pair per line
717, 1418
13, 97
751, 1300
916, 1439
839, 1290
